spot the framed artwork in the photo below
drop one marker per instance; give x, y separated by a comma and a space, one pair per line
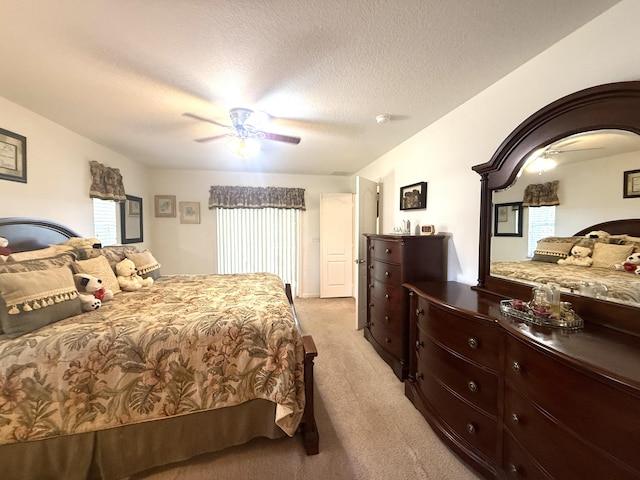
631, 184
165, 205
13, 156
133, 206
507, 219
503, 213
413, 197
189, 212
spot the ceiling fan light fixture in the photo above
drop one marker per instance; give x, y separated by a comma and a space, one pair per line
383, 118
541, 164
243, 147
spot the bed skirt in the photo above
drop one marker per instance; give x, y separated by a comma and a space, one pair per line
120, 452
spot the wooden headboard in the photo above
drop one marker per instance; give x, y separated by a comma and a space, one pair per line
33, 233
615, 227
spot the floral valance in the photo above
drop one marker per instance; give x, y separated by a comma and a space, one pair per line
221, 196
106, 182
541, 194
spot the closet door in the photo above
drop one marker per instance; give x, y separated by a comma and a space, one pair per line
336, 245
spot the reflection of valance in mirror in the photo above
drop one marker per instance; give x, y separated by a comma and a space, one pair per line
256, 197
106, 183
541, 194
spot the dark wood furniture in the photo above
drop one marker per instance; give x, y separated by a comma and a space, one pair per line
391, 261
521, 401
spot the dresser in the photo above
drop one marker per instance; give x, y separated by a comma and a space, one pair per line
521, 401
391, 261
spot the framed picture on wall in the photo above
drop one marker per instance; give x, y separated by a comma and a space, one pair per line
413, 197
165, 205
13, 156
189, 212
631, 184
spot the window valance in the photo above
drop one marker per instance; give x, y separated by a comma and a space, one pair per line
106, 182
541, 194
221, 196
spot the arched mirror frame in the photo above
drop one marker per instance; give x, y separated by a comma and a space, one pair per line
609, 106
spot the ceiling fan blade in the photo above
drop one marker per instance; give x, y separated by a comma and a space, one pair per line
197, 117
556, 152
208, 139
279, 138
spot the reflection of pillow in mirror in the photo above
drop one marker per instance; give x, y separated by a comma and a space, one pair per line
551, 252
50, 251
607, 255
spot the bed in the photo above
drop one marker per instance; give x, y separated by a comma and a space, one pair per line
187, 365
607, 251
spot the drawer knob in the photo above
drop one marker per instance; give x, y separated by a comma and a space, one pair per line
473, 342
473, 386
386, 318
371, 266
513, 469
371, 305
419, 311
387, 251
386, 295
514, 418
471, 428
420, 376
419, 344
388, 340
515, 366
371, 285
387, 274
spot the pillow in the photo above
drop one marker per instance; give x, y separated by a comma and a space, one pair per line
551, 252
30, 300
50, 251
146, 264
62, 259
113, 253
99, 267
606, 255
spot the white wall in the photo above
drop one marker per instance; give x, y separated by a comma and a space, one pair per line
188, 248
605, 50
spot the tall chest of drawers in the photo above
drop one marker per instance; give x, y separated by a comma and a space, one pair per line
391, 261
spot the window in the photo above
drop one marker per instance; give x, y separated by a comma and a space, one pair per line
259, 240
104, 221
542, 223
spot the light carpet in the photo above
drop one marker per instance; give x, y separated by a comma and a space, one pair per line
368, 428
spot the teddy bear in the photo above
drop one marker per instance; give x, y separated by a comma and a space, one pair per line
579, 256
128, 277
598, 234
91, 291
631, 265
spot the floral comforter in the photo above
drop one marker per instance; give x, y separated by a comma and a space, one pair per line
185, 344
622, 287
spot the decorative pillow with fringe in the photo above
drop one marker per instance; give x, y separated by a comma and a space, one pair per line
60, 260
98, 267
146, 264
30, 300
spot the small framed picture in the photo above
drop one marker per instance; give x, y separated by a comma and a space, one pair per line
631, 184
165, 205
503, 213
133, 208
413, 197
189, 212
13, 156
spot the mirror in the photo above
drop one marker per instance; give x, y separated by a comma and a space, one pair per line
612, 109
131, 220
507, 219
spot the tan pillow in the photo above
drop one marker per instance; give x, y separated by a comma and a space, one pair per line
50, 251
606, 255
99, 267
62, 259
30, 300
146, 264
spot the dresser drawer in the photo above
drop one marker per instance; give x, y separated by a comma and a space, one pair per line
473, 339
386, 272
517, 464
476, 385
474, 427
386, 250
599, 413
559, 451
388, 338
383, 297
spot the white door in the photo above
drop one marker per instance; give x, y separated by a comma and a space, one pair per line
336, 245
366, 221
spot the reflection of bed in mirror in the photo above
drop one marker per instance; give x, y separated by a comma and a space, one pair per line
619, 286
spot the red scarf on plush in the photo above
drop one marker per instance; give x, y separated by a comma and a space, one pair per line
99, 294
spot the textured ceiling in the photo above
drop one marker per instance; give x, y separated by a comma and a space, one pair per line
122, 72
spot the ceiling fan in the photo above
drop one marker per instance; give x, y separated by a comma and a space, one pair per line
240, 129
547, 152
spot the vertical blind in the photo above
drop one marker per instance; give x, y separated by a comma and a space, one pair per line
259, 240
